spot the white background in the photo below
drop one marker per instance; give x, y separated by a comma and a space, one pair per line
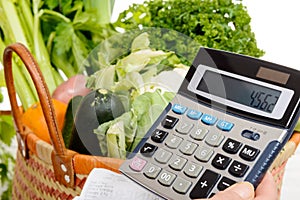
277, 30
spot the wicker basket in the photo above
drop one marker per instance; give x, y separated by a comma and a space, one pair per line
45, 171
50, 171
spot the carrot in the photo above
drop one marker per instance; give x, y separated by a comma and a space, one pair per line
34, 119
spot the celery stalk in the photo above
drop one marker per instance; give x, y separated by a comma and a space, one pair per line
26, 19
20, 25
9, 10
13, 32
40, 50
104, 9
23, 89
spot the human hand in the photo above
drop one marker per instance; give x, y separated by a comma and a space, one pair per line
266, 190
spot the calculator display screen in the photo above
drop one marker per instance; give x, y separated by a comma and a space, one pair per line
240, 91
247, 94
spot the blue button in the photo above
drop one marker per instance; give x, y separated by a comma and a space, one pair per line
208, 119
179, 109
194, 114
224, 125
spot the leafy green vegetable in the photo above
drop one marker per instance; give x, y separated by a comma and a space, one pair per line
132, 69
121, 135
59, 34
133, 77
220, 24
7, 160
6, 124
72, 29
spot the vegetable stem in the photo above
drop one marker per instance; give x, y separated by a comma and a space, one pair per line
13, 32
103, 8
40, 50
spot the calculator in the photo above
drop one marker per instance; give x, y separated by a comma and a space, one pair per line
227, 123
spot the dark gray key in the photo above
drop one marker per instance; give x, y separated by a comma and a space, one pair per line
205, 185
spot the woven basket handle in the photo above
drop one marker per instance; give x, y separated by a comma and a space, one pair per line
61, 157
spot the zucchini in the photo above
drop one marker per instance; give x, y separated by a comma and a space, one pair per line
95, 108
69, 119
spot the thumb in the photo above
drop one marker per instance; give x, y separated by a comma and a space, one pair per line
239, 191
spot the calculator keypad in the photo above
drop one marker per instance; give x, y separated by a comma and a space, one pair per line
181, 148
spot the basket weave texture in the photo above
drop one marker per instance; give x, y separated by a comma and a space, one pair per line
34, 177
50, 171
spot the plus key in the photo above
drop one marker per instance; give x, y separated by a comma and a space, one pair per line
205, 184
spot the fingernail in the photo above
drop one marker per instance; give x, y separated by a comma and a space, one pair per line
245, 190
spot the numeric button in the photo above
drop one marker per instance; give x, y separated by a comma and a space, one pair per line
199, 134
192, 170
214, 139
151, 171
166, 178
203, 154
177, 162
184, 127
173, 141
187, 147
162, 156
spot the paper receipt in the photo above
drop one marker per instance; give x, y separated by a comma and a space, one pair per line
107, 185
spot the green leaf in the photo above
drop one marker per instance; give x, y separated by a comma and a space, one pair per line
3, 173
51, 3
64, 37
80, 48
7, 129
137, 61
2, 79
140, 42
220, 24
104, 78
116, 140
